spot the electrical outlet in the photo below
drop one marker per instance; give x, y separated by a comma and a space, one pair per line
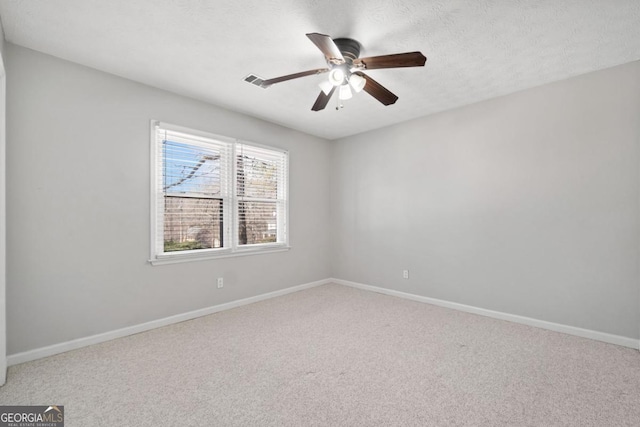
405, 274
220, 282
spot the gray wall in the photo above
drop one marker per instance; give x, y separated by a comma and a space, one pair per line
3, 228
78, 205
527, 204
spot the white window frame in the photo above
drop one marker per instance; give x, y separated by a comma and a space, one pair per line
230, 204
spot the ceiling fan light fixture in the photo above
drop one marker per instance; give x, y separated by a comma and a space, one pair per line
326, 86
345, 92
357, 82
336, 76
345, 70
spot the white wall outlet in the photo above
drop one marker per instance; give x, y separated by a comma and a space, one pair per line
405, 274
220, 282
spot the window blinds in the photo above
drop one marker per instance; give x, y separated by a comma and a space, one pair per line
194, 188
261, 194
215, 194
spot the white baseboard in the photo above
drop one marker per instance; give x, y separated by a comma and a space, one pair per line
557, 327
39, 353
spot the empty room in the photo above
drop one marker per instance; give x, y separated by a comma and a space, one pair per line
319, 213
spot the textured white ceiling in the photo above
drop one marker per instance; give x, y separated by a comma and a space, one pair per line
476, 49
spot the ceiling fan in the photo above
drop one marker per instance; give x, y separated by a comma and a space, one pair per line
345, 70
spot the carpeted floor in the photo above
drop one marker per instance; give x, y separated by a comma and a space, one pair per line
338, 356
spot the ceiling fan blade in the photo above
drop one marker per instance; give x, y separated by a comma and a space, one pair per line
328, 47
275, 80
409, 59
378, 91
322, 100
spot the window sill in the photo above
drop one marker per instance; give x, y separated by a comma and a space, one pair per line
177, 258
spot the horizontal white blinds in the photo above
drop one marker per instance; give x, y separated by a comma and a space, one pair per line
193, 185
216, 193
193, 165
261, 190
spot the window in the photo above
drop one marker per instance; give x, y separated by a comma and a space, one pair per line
214, 196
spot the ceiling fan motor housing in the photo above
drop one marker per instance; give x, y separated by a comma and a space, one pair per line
349, 48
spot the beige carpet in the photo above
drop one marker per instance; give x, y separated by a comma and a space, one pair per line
337, 356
